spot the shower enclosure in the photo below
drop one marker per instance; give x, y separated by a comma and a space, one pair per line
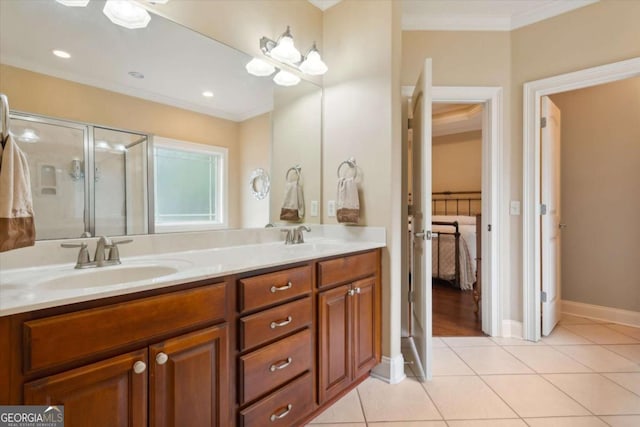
85, 179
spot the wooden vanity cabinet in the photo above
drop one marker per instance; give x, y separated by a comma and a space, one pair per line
348, 322
178, 381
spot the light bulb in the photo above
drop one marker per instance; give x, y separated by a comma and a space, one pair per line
285, 78
260, 68
126, 14
313, 64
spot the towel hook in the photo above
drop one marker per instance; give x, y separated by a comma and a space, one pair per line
295, 169
351, 162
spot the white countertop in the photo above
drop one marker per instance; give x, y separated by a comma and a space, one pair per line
43, 286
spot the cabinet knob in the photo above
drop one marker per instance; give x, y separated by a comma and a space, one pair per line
278, 324
357, 290
275, 416
351, 292
139, 367
161, 358
275, 289
281, 365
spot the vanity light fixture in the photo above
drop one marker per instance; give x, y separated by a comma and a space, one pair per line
28, 135
260, 68
61, 54
74, 3
126, 13
207, 94
284, 51
285, 78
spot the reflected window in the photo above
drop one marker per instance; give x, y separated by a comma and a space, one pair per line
190, 186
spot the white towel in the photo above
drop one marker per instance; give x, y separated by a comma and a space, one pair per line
293, 204
17, 228
348, 204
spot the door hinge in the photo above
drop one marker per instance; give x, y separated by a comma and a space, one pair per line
488, 227
543, 209
543, 122
543, 296
412, 296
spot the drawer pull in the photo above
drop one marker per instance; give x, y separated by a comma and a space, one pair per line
139, 367
161, 358
281, 323
281, 415
275, 289
281, 365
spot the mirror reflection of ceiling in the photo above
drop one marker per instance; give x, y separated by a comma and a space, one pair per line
103, 55
449, 119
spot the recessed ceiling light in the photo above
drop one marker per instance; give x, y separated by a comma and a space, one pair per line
136, 75
61, 54
207, 94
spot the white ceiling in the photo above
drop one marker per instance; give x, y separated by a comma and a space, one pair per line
103, 54
448, 119
481, 15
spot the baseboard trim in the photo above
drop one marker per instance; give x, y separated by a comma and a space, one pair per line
602, 313
511, 329
390, 369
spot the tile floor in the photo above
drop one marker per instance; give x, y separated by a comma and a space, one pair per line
586, 374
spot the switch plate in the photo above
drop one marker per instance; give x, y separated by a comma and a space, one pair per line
514, 208
314, 208
331, 208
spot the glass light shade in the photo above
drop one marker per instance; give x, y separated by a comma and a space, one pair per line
285, 51
313, 64
259, 68
74, 3
126, 14
285, 78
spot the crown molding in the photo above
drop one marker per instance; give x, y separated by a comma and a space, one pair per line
481, 22
324, 4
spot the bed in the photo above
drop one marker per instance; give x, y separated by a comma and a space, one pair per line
456, 224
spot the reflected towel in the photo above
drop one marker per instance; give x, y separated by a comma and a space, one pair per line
348, 204
293, 204
17, 228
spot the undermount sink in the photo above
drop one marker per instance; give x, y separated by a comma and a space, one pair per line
106, 276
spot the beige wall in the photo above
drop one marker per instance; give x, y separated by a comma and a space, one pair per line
597, 34
600, 197
40, 94
360, 121
457, 162
255, 152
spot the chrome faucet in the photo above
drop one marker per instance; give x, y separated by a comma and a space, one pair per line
298, 236
288, 237
100, 259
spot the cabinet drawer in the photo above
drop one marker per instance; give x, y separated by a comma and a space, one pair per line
340, 270
273, 365
270, 324
67, 337
267, 289
282, 408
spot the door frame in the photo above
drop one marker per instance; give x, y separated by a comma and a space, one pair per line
495, 244
531, 240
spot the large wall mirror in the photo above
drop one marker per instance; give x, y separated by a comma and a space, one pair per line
140, 130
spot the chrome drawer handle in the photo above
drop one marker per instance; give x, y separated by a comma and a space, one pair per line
281, 415
281, 365
275, 289
281, 323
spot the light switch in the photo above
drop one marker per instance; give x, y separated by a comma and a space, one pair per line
514, 209
331, 208
314, 208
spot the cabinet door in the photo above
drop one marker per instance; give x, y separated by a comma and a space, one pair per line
110, 393
334, 342
189, 380
365, 326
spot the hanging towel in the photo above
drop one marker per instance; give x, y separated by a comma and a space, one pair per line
293, 205
17, 228
348, 204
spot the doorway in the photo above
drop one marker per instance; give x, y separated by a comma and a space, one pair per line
532, 162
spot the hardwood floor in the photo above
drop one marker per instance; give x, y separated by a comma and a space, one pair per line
453, 312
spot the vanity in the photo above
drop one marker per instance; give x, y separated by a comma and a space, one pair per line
270, 345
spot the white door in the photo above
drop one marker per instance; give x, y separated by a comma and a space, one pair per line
421, 227
550, 220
